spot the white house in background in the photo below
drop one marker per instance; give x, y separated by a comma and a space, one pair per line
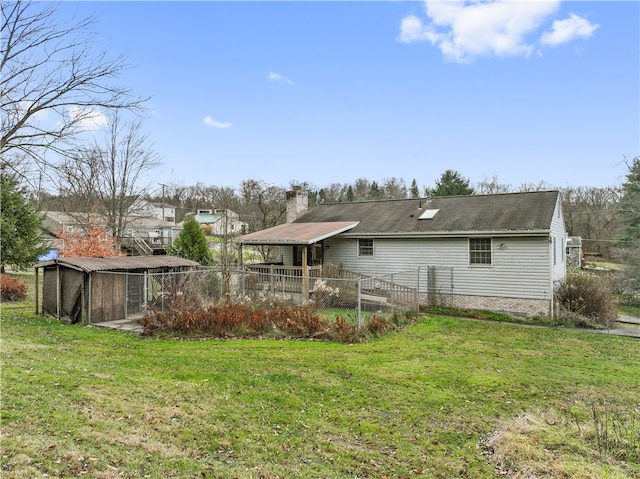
502, 252
221, 221
161, 211
144, 234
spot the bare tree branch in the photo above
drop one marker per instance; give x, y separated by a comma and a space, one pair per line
108, 177
52, 82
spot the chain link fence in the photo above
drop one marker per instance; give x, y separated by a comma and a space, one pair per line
331, 291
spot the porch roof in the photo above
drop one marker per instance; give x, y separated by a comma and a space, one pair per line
297, 233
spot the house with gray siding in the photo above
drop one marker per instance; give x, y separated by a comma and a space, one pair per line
501, 252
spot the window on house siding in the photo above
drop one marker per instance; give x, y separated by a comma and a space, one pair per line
365, 247
480, 251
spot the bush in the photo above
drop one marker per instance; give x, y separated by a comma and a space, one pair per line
12, 289
232, 320
275, 319
586, 301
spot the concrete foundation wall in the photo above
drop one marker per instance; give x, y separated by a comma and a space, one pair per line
514, 306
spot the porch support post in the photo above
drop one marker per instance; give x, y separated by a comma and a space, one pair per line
305, 273
37, 289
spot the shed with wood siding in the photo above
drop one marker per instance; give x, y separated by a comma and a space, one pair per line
78, 290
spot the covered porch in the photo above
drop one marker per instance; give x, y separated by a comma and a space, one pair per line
296, 275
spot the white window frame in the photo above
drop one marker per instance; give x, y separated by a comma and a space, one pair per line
478, 251
367, 247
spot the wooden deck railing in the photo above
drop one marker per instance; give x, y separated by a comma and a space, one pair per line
279, 278
288, 279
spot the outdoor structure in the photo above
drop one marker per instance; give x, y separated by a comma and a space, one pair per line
574, 252
95, 290
148, 236
161, 211
222, 222
502, 252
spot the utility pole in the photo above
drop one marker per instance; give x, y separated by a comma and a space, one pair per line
163, 185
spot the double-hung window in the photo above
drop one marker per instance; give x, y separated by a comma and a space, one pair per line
480, 251
365, 247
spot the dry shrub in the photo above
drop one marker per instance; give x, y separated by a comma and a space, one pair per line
343, 331
11, 289
295, 321
232, 320
586, 301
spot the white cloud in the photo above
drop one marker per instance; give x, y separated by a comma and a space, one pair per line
277, 78
563, 31
89, 119
464, 30
212, 123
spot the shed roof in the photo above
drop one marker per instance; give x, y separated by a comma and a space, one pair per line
526, 212
297, 233
120, 263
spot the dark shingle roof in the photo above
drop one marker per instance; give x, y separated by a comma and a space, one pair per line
513, 212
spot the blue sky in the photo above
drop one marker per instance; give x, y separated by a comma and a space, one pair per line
329, 92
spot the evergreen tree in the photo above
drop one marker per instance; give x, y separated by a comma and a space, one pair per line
350, 195
414, 191
630, 202
191, 244
451, 183
375, 192
630, 213
20, 241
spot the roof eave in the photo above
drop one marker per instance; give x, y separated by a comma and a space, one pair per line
449, 234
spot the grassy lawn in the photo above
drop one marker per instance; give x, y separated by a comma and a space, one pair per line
442, 398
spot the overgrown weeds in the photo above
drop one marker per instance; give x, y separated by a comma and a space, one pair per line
579, 439
12, 289
266, 319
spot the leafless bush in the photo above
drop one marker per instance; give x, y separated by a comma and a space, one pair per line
586, 301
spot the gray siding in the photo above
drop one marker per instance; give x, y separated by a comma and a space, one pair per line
559, 242
520, 268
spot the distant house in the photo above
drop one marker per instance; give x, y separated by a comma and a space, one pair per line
145, 234
503, 252
161, 211
222, 221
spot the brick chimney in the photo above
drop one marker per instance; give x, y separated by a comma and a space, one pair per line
297, 203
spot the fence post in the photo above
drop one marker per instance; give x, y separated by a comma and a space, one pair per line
418, 292
359, 304
392, 295
144, 290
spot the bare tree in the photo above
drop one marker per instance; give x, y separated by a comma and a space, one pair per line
490, 186
109, 177
592, 213
263, 206
47, 67
395, 188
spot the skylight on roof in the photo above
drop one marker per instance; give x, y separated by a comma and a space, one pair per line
428, 214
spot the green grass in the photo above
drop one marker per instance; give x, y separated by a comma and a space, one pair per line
421, 402
629, 310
